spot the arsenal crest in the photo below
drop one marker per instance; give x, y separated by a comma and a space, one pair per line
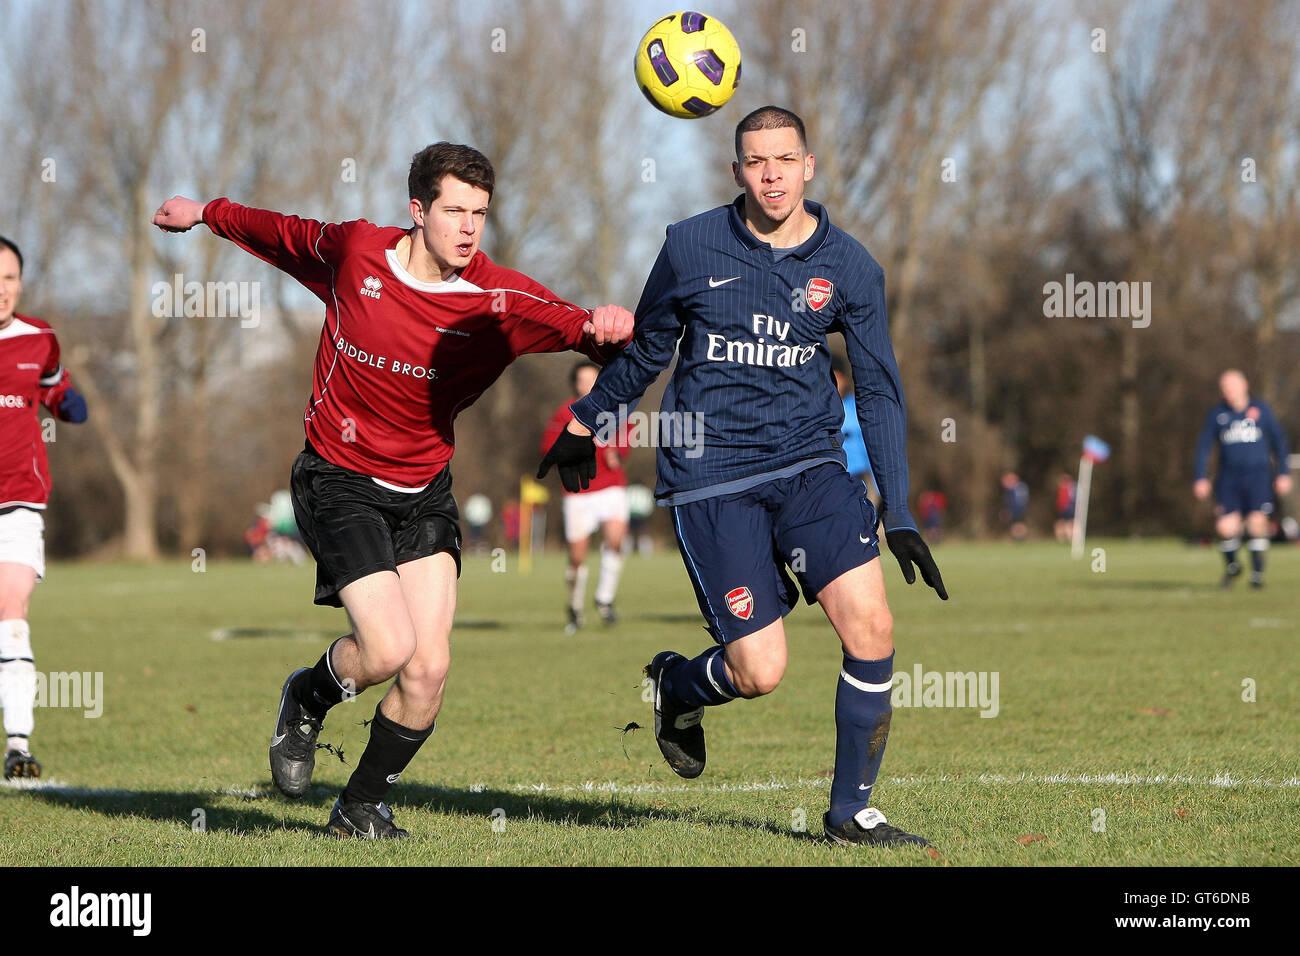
818, 292
741, 603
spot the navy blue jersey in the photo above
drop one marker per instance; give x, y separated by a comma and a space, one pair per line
753, 383
1246, 439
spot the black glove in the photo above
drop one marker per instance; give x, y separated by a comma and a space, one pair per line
909, 547
574, 457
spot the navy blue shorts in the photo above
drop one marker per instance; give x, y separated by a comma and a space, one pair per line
1245, 491
740, 549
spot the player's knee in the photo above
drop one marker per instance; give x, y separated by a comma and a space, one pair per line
386, 657
1229, 526
425, 677
756, 679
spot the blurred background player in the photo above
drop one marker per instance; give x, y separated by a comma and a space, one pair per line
1066, 490
932, 505
419, 322
30, 375
602, 505
1015, 504
1252, 467
855, 449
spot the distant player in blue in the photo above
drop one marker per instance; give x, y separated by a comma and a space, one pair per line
857, 461
1252, 467
746, 295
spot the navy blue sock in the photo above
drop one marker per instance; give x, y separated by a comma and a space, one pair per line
1229, 548
862, 713
701, 682
1258, 548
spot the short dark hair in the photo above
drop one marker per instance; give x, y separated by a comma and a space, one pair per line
430, 164
573, 373
13, 247
771, 117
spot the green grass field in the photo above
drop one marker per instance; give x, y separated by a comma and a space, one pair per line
1121, 736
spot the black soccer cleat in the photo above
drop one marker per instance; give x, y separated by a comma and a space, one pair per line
293, 744
878, 833
575, 621
20, 765
606, 612
678, 732
364, 821
1230, 574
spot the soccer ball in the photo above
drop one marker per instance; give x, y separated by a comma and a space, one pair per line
688, 65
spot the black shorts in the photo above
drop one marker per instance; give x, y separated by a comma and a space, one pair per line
356, 527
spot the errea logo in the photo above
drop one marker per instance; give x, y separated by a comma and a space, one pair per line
371, 286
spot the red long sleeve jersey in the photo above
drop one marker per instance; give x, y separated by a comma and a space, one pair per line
30, 374
399, 358
606, 477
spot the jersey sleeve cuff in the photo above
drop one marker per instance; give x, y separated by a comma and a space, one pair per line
212, 209
899, 521
585, 411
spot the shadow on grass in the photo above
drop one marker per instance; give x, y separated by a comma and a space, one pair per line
600, 809
178, 806
1125, 584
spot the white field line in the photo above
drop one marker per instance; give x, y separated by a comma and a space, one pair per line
1219, 780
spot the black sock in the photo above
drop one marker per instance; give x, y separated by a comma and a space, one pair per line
1258, 547
390, 749
318, 690
1229, 547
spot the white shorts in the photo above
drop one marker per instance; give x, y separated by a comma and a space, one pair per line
22, 539
585, 512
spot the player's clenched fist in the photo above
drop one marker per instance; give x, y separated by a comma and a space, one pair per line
178, 214
609, 323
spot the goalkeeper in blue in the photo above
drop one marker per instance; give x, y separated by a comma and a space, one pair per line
750, 457
1250, 441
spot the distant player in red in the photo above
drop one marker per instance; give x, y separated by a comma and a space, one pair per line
30, 375
602, 505
418, 323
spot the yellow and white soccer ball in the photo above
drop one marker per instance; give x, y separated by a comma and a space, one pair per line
688, 64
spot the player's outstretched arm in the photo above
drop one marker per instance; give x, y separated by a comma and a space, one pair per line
178, 214
304, 248
657, 327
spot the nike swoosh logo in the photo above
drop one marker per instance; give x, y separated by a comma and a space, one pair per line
863, 786
275, 741
714, 285
864, 540
392, 777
